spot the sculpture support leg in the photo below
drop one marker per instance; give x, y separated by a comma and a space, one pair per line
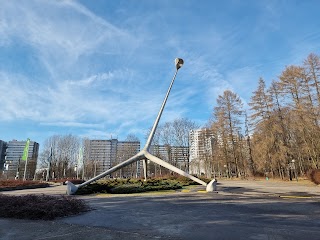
140, 156
212, 186
145, 169
173, 168
113, 169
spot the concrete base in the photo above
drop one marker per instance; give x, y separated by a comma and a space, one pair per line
212, 186
71, 188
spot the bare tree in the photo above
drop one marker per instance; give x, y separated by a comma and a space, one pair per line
64, 155
174, 137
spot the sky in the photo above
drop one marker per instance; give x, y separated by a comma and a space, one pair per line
100, 69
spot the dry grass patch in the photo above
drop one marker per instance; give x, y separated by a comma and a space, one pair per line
42, 207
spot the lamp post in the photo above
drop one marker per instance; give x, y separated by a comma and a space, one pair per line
225, 166
6, 167
293, 167
18, 170
76, 171
49, 165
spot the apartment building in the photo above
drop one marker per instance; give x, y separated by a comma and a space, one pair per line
3, 147
104, 154
177, 156
14, 165
201, 151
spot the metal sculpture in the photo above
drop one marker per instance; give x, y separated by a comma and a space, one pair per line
144, 154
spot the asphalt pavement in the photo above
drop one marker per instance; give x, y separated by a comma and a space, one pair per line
238, 210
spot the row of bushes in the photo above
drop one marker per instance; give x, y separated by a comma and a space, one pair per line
19, 184
63, 181
122, 186
119, 185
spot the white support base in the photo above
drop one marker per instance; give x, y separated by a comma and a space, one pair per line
71, 188
212, 186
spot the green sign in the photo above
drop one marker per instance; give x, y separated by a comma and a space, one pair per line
26, 150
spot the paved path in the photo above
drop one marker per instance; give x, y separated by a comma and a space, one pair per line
53, 190
240, 210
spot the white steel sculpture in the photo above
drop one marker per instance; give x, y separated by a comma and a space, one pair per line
144, 154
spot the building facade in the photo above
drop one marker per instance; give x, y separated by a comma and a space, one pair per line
101, 155
15, 166
3, 147
201, 150
176, 155
125, 150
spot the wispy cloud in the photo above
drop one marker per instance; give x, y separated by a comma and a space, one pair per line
209, 79
66, 65
64, 34
68, 93
97, 134
72, 124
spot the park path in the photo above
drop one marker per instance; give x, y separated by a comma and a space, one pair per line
253, 187
238, 210
270, 187
52, 190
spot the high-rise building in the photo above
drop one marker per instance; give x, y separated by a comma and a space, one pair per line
100, 153
3, 147
178, 156
15, 164
200, 142
125, 150
104, 154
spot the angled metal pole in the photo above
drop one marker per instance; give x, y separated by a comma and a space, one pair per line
172, 168
145, 168
156, 122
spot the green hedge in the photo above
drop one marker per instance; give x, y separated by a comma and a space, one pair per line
8, 185
122, 186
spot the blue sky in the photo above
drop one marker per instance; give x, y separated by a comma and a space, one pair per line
101, 68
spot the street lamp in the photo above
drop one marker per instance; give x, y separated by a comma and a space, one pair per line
227, 175
18, 170
293, 166
6, 167
76, 170
49, 165
179, 62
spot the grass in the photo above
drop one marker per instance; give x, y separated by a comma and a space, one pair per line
38, 207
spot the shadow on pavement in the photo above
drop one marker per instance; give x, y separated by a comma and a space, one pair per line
234, 212
202, 216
